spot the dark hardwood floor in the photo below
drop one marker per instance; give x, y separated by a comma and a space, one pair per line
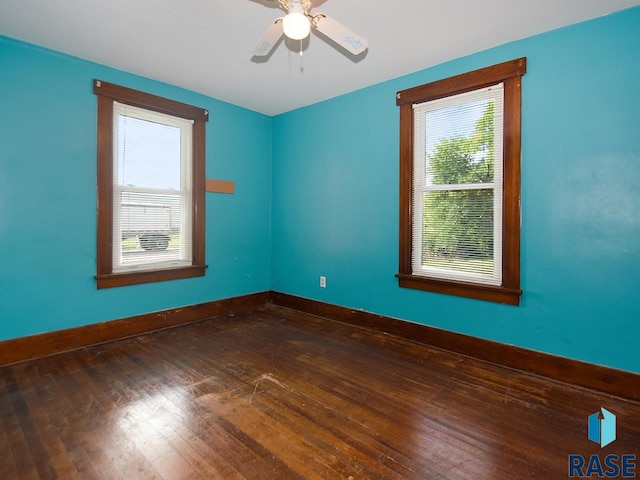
276, 394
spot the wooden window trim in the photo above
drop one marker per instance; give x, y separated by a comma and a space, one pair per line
510, 74
107, 93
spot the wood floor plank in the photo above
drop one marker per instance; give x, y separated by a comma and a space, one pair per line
185, 422
39, 396
20, 430
8, 466
93, 432
273, 393
206, 418
344, 453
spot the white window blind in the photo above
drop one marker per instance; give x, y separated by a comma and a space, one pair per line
457, 187
152, 189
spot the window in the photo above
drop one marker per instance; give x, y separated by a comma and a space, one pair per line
460, 184
150, 188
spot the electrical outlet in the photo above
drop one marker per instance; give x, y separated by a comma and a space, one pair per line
323, 281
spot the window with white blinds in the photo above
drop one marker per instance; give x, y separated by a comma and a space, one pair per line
152, 189
459, 196
457, 187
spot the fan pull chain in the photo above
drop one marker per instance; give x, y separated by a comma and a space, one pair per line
301, 58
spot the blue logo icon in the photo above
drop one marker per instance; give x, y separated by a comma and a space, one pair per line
602, 430
602, 427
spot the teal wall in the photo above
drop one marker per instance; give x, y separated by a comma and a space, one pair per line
48, 198
325, 202
335, 199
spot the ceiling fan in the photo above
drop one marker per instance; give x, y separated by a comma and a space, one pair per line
297, 24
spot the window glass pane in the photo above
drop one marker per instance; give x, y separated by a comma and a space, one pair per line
149, 226
460, 143
152, 217
457, 187
458, 231
148, 154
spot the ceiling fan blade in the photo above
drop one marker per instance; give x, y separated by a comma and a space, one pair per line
269, 39
340, 34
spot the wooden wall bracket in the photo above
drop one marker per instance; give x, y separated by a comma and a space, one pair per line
219, 186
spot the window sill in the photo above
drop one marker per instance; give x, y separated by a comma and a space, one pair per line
148, 276
509, 296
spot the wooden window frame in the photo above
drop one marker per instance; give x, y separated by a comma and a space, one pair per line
108, 93
510, 74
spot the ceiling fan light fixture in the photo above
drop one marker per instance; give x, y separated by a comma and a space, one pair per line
296, 25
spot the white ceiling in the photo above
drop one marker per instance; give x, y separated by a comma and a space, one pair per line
204, 45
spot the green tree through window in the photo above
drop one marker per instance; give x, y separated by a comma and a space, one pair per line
458, 225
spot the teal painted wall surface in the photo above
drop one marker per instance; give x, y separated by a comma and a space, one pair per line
335, 199
48, 198
324, 200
